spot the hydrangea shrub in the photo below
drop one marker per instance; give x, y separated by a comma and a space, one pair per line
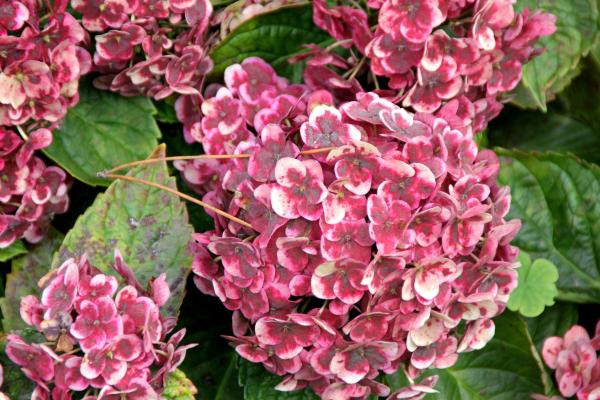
357, 223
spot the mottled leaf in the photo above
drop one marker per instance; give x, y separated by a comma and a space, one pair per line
179, 387
23, 279
102, 131
148, 225
537, 286
557, 197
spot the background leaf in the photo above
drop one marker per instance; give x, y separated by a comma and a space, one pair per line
548, 74
507, 368
557, 197
537, 286
102, 131
12, 251
149, 226
259, 385
274, 36
25, 273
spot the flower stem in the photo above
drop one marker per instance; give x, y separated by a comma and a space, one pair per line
179, 194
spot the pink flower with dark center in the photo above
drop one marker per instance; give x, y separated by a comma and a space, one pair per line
282, 111
325, 128
440, 45
300, 189
427, 276
25, 80
435, 86
240, 259
389, 226
287, 337
118, 45
356, 361
393, 56
412, 19
275, 146
37, 361
183, 74
355, 165
404, 182
367, 108
346, 240
13, 15
60, 293
222, 114
97, 323
573, 357
341, 204
477, 335
416, 391
111, 362
403, 126
101, 14
254, 80
339, 279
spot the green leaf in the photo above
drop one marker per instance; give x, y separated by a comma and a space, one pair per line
554, 321
556, 131
537, 286
557, 197
148, 225
259, 385
508, 368
102, 131
25, 274
10, 252
274, 36
548, 74
179, 387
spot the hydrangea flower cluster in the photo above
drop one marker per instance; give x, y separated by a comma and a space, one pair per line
149, 47
437, 50
106, 341
41, 60
30, 192
576, 363
374, 232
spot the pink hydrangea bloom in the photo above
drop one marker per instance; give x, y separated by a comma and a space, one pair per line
97, 335
363, 253
577, 365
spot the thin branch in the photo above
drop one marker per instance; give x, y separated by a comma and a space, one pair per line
200, 157
179, 194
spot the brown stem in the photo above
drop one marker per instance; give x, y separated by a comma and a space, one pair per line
200, 157
178, 193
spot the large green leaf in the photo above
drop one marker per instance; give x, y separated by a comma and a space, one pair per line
102, 131
508, 368
556, 131
149, 226
557, 197
12, 251
548, 74
259, 385
274, 36
22, 281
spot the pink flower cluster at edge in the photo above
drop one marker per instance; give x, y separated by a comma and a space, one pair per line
575, 361
41, 60
30, 192
432, 51
362, 259
102, 339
